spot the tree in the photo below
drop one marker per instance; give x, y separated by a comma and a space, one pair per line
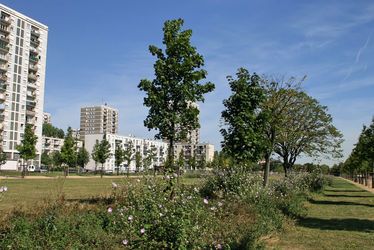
128, 155
149, 157
118, 157
3, 157
69, 152
243, 137
51, 131
138, 161
308, 130
95, 154
83, 157
27, 149
279, 96
46, 159
57, 159
103, 153
176, 86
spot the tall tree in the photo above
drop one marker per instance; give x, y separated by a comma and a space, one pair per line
128, 155
369, 146
46, 159
103, 153
56, 159
138, 161
309, 131
279, 96
176, 86
69, 152
118, 157
95, 154
243, 136
3, 157
27, 149
83, 157
149, 158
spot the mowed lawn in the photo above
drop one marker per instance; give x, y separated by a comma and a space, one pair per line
340, 218
27, 192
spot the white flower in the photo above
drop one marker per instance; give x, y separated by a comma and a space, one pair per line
142, 231
114, 185
161, 215
175, 175
130, 218
218, 246
138, 180
220, 204
205, 201
196, 190
125, 242
167, 177
110, 210
213, 208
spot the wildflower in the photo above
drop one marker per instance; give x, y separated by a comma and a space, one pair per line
167, 177
110, 210
114, 185
175, 175
213, 208
138, 180
220, 204
161, 215
218, 246
130, 218
206, 201
142, 231
125, 242
196, 190
160, 206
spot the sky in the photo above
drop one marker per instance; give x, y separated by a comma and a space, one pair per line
98, 53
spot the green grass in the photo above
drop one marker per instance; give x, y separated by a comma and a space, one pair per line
342, 217
27, 192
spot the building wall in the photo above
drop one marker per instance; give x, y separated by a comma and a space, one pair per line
98, 120
22, 79
140, 145
201, 151
52, 144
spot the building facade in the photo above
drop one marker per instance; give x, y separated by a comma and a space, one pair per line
52, 144
201, 152
47, 118
23, 51
156, 150
98, 120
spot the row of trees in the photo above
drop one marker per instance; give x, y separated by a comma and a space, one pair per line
262, 117
361, 160
50, 131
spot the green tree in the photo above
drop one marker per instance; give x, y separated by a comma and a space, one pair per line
95, 154
279, 96
308, 130
138, 161
83, 157
51, 131
27, 149
57, 159
176, 86
118, 157
149, 158
128, 155
103, 153
3, 157
69, 152
243, 137
46, 159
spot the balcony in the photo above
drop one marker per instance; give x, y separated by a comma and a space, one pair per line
5, 20
2, 118
4, 48
4, 29
3, 88
4, 39
2, 97
32, 85
3, 67
30, 104
3, 78
35, 42
33, 59
34, 50
30, 113
33, 77
33, 68
35, 32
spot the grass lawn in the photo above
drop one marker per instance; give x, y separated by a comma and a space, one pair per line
26, 192
342, 217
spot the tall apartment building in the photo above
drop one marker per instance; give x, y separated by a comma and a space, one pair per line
23, 50
98, 120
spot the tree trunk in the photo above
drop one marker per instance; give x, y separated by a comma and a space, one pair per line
117, 170
267, 169
102, 170
285, 165
171, 154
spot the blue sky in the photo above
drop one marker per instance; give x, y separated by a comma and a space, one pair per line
98, 52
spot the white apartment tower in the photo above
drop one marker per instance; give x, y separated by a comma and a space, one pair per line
98, 120
23, 50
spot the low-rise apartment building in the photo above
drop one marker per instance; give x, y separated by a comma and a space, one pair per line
52, 144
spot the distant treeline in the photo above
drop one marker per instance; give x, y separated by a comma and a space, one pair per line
51, 131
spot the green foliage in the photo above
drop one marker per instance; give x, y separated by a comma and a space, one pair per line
83, 157
101, 152
46, 159
56, 159
69, 151
51, 131
27, 148
170, 96
3, 157
118, 157
243, 139
138, 161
